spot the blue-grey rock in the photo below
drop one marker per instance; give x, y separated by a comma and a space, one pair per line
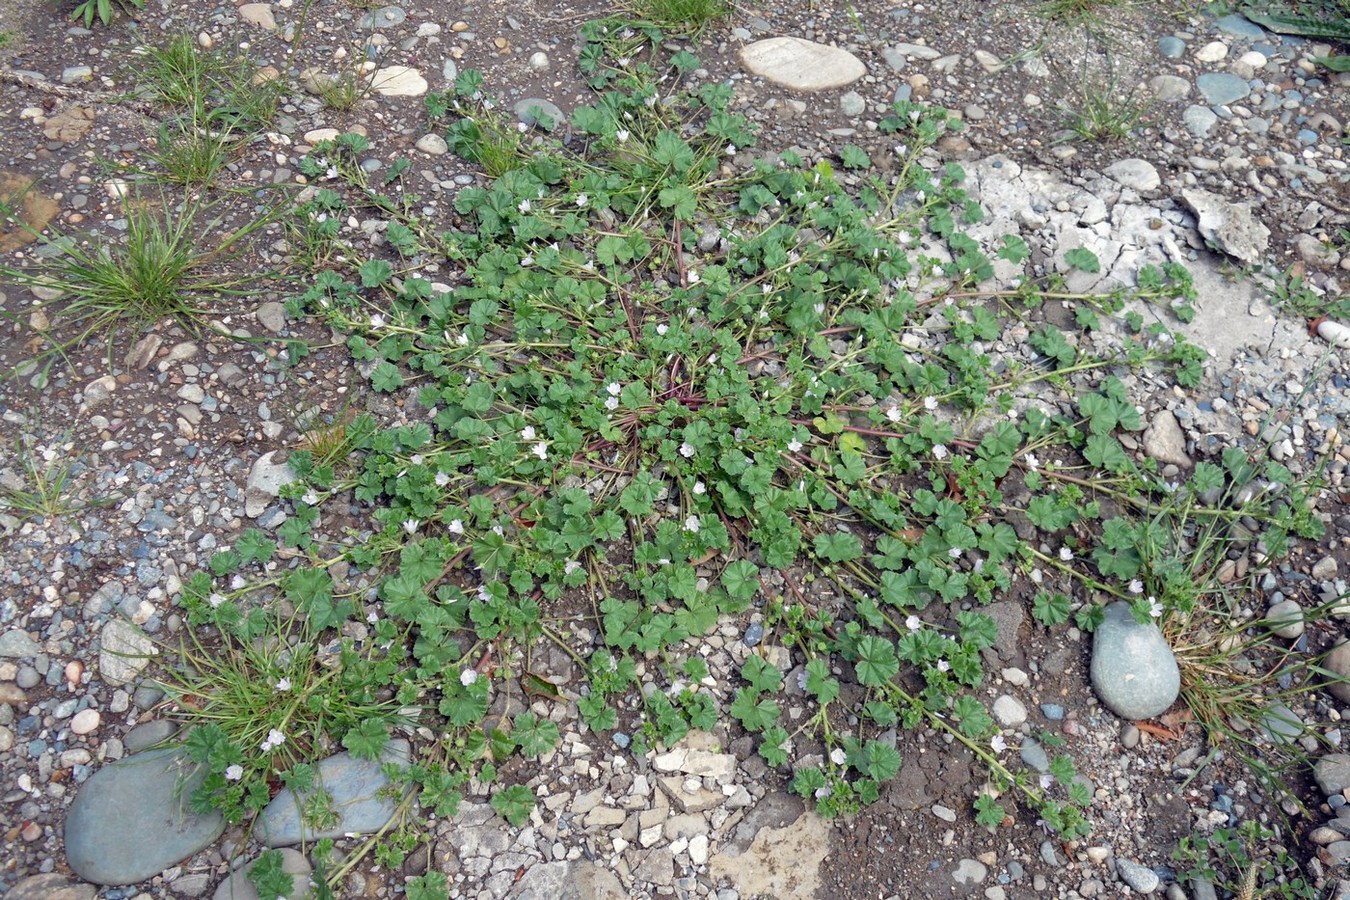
357, 787
131, 820
1171, 47
1141, 878
1280, 724
1133, 670
1034, 755
1332, 773
1199, 121
533, 110
18, 644
1220, 88
1240, 26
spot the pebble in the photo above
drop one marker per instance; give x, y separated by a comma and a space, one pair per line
1221, 89
1332, 773
85, 721
1140, 878
801, 65
531, 109
1138, 174
1164, 440
1009, 712
433, 145
145, 789
355, 787
1133, 671
852, 104
1286, 619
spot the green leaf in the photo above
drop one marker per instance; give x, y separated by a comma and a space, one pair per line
386, 377
977, 629
431, 886
375, 272
754, 712
367, 740
741, 580
819, 682
1083, 259
987, 811
854, 158
1050, 608
268, 877
877, 662
1014, 249
534, 736
514, 804
762, 674
839, 546
680, 199
878, 761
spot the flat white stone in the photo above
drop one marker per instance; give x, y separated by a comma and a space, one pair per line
802, 65
398, 81
259, 14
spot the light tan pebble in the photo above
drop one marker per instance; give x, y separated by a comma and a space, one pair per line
74, 672
460, 26
84, 721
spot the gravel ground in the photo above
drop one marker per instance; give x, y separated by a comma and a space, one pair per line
161, 438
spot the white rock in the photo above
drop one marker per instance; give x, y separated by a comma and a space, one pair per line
1009, 712
1286, 619
124, 651
802, 65
1334, 333
1134, 173
315, 135
433, 145
259, 14
84, 721
1212, 52
399, 81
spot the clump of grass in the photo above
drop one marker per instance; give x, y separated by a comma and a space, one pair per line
682, 16
41, 490
483, 134
221, 103
1073, 12
264, 702
1102, 112
160, 269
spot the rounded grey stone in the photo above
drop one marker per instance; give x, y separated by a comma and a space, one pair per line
1133, 670
1220, 88
1141, 878
1199, 120
131, 820
1009, 712
533, 110
358, 798
18, 644
1332, 773
852, 104
1337, 663
51, 887
1286, 619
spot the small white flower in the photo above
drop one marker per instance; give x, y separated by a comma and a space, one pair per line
310, 497
819, 308
692, 276
622, 135
234, 772
416, 459
483, 594
462, 340
497, 530
1046, 780
954, 552
540, 450
692, 524
731, 150
527, 260
527, 433
284, 684
894, 414
943, 666
838, 756
611, 403
468, 677
998, 743
1032, 462
1155, 608
523, 206
273, 740
570, 566
377, 321
215, 600
795, 446
410, 525
700, 487
1136, 586
939, 451
687, 450
913, 623
1065, 554
456, 526
662, 328
613, 388
583, 201
442, 479
930, 403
